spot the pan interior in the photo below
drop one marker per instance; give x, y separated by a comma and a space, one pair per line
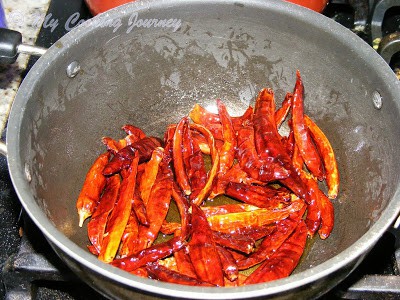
150, 77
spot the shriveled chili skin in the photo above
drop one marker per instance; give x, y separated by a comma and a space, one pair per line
328, 157
195, 166
112, 145
129, 237
283, 111
229, 266
135, 131
120, 215
158, 272
201, 116
92, 188
267, 139
270, 244
260, 196
158, 205
285, 259
146, 146
168, 140
121, 160
325, 211
251, 163
124, 157
139, 208
150, 254
268, 143
237, 175
227, 151
178, 156
313, 218
150, 173
290, 143
202, 250
302, 136
215, 164
183, 207
235, 242
230, 222
226, 209
169, 227
97, 224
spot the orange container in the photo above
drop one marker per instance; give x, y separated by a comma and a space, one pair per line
99, 6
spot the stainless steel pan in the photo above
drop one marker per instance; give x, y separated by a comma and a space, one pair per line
152, 76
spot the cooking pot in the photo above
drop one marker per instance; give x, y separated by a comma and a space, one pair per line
147, 63
99, 6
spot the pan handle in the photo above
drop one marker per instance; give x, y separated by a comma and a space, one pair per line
11, 45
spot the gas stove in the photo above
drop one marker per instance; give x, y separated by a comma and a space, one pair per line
30, 268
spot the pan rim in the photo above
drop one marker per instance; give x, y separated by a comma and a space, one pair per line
16, 167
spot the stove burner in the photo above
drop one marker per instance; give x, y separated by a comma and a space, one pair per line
35, 272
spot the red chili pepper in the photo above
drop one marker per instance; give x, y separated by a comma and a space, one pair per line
183, 262
230, 222
270, 244
159, 272
112, 145
202, 250
215, 163
301, 134
196, 169
267, 139
285, 259
201, 141
168, 140
313, 218
283, 111
297, 160
121, 160
150, 254
250, 162
227, 209
260, 196
168, 228
158, 205
120, 215
254, 232
124, 157
177, 150
212, 121
140, 209
227, 151
328, 157
237, 175
241, 243
150, 173
229, 266
129, 237
290, 143
145, 147
183, 208
134, 131
97, 224
325, 211
92, 187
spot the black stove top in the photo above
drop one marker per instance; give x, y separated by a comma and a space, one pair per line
30, 268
